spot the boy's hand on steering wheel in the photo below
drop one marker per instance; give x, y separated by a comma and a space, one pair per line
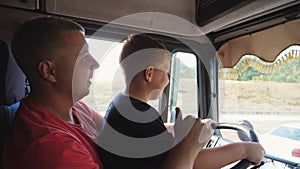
195, 130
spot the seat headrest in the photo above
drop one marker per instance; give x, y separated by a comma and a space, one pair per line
12, 79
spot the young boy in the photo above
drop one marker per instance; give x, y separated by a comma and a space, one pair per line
146, 63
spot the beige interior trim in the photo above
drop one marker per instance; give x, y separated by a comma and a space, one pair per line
288, 55
265, 44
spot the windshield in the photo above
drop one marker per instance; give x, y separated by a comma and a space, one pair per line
266, 94
261, 95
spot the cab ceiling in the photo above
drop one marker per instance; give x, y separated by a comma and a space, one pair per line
110, 10
173, 16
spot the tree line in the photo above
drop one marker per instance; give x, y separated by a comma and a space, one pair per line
289, 73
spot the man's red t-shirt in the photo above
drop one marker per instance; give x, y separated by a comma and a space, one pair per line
40, 140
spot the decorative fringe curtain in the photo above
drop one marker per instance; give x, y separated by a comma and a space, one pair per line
257, 63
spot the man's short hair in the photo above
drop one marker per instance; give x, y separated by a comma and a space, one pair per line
38, 39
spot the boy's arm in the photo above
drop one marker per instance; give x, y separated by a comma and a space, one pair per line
218, 157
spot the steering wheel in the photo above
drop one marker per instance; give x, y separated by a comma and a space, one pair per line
243, 164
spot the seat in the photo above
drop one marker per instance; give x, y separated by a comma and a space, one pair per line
12, 90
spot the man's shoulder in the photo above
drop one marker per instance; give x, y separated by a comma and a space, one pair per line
36, 146
57, 138
53, 149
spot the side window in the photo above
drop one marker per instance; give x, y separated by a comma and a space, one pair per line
108, 81
183, 85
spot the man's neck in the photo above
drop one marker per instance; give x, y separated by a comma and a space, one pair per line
58, 105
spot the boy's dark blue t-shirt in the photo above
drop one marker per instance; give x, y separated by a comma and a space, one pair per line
141, 136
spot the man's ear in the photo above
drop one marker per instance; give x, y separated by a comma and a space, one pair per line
149, 73
47, 71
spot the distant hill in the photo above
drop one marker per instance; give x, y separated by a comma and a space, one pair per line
259, 95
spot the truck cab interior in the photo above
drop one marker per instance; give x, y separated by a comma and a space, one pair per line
211, 38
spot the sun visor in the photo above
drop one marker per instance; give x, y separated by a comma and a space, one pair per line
266, 44
170, 16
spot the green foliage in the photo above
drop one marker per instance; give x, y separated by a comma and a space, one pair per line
289, 73
249, 74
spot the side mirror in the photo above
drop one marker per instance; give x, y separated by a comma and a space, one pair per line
296, 152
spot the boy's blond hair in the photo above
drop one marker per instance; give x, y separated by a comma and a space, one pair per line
140, 52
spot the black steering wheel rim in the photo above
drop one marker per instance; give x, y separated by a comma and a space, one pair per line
244, 163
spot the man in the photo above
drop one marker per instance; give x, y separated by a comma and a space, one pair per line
52, 128
46, 132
